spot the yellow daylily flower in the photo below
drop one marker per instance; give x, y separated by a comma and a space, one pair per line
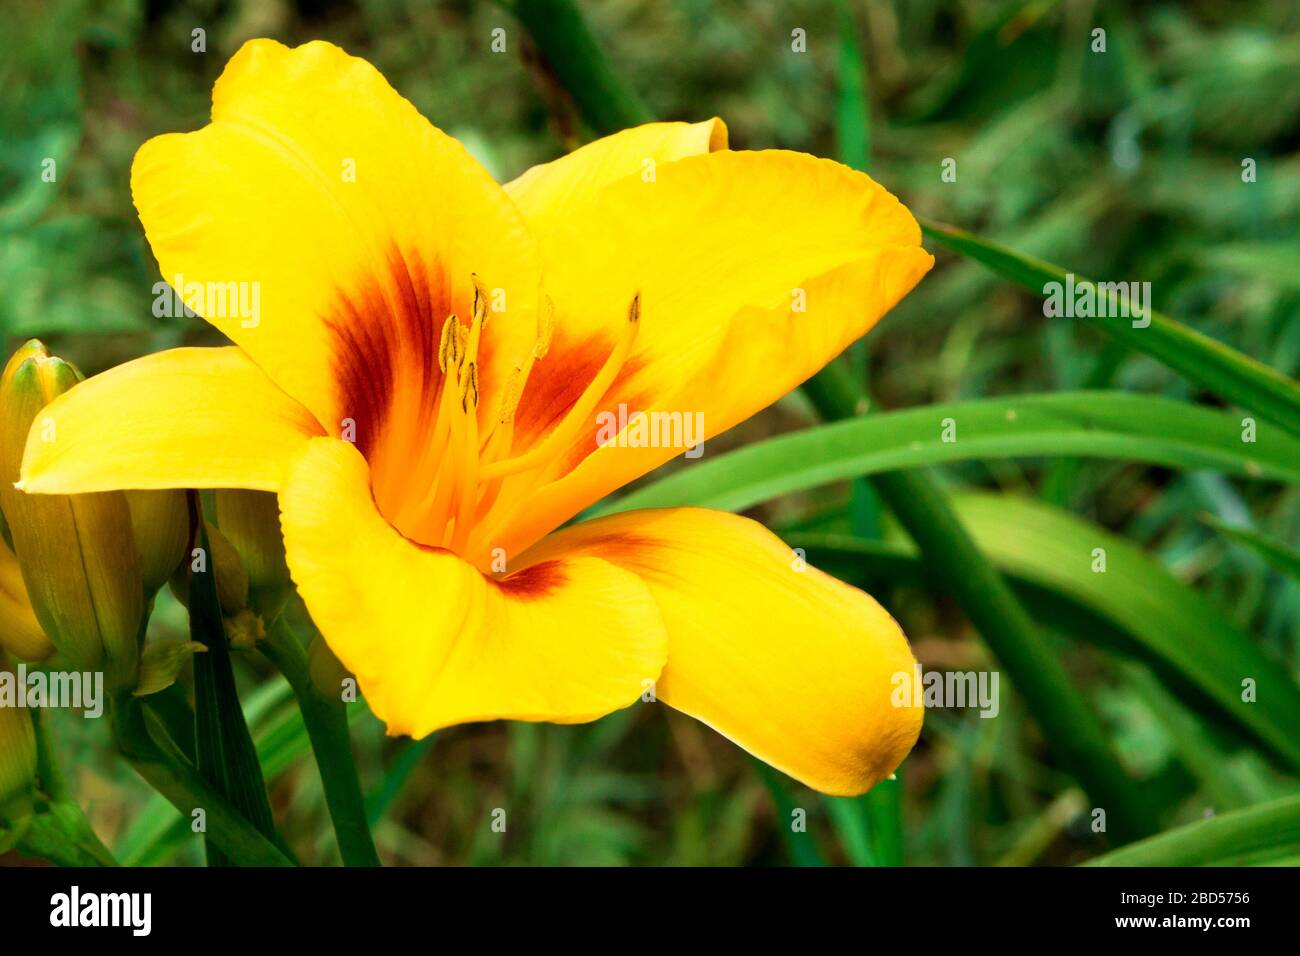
422, 359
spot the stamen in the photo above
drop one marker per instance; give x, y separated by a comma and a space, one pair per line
469, 480
480, 298
447, 348
545, 328
510, 398
577, 415
469, 388
471, 493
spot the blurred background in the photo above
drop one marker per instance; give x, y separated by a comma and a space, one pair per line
1122, 164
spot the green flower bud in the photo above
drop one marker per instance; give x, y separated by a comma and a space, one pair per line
77, 553
232, 576
17, 761
251, 521
161, 524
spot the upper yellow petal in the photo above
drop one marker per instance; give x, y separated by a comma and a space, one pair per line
359, 225
795, 666
558, 192
183, 418
433, 641
754, 270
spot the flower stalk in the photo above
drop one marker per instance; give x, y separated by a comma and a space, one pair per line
325, 716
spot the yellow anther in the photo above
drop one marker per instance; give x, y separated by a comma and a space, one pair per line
510, 399
480, 299
447, 348
545, 328
462, 338
469, 388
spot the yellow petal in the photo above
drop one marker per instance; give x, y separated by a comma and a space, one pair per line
793, 665
20, 633
359, 224
754, 270
554, 193
434, 642
183, 418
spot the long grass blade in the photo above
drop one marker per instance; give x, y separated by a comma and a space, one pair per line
1105, 424
1228, 373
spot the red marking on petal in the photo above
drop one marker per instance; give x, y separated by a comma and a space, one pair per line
534, 582
386, 334
559, 380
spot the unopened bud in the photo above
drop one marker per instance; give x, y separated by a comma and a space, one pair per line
251, 522
225, 562
76, 552
160, 522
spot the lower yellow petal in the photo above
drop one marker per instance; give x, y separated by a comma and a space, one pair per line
184, 418
434, 642
796, 667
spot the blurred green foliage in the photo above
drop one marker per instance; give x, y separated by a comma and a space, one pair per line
1121, 165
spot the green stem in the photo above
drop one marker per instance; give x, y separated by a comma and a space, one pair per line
168, 773
48, 771
60, 831
571, 53
1072, 730
799, 843
327, 726
884, 807
61, 834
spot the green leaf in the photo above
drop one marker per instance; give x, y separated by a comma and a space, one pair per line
798, 843
395, 778
1276, 262
1279, 554
570, 51
162, 662
1171, 623
1088, 424
870, 827
852, 111
1269, 829
227, 758
1226, 372
282, 743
